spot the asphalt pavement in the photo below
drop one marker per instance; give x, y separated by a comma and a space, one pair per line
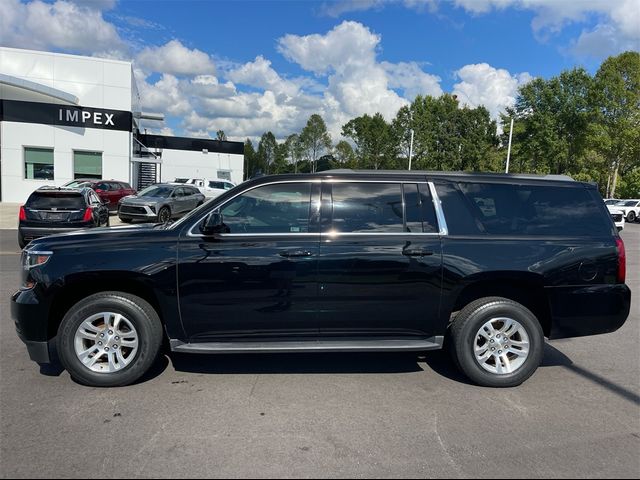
326, 415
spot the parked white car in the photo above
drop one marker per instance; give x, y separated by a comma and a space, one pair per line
617, 215
209, 188
630, 209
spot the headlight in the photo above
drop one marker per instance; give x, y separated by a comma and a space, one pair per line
33, 258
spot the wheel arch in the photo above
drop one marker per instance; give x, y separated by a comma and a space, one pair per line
76, 289
524, 288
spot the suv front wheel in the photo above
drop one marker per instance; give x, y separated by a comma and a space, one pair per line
109, 339
497, 342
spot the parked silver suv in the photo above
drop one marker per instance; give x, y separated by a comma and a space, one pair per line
160, 202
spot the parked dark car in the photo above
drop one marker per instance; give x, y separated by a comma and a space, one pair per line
160, 202
111, 191
338, 261
51, 210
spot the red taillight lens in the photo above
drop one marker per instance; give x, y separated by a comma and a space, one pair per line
23, 214
88, 215
622, 261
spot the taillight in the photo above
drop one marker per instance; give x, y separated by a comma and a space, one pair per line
622, 261
88, 215
23, 214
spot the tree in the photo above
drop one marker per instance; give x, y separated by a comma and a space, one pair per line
344, 155
267, 149
220, 135
376, 146
250, 164
555, 116
315, 140
295, 150
616, 96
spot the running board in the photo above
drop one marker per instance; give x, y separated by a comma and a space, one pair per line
292, 346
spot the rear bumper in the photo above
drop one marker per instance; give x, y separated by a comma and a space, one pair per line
591, 310
32, 233
30, 317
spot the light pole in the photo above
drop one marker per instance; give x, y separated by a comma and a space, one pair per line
411, 149
509, 149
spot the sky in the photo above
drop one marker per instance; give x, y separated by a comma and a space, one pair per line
247, 67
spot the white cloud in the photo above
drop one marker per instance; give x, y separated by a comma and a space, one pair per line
59, 26
176, 59
409, 77
357, 82
260, 74
482, 84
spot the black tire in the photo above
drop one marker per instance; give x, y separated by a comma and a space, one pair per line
21, 242
631, 217
468, 322
137, 311
108, 222
164, 215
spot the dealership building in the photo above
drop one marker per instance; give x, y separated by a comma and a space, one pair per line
64, 117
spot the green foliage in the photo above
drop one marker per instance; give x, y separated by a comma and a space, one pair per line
315, 140
376, 145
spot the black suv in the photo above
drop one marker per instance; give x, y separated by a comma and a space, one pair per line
51, 210
332, 262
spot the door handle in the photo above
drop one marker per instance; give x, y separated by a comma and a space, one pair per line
416, 252
295, 253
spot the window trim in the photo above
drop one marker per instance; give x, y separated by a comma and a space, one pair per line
437, 203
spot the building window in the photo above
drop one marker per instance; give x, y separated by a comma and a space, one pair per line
38, 163
224, 175
87, 165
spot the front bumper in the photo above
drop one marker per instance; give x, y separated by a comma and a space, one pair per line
31, 321
143, 212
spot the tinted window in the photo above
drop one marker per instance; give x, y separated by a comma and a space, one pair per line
419, 210
367, 207
191, 191
66, 201
503, 209
38, 163
219, 185
282, 208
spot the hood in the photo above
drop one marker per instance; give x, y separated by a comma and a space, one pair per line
617, 209
93, 237
142, 200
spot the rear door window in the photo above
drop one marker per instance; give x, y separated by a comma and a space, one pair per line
60, 201
367, 207
419, 211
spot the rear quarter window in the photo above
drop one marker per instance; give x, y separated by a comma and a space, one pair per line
510, 209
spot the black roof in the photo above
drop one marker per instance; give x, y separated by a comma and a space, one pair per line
435, 175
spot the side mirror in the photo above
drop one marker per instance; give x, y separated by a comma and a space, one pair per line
214, 224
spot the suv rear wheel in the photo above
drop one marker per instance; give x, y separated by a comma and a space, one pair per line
109, 339
497, 342
631, 217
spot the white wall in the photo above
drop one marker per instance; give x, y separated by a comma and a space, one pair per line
114, 146
97, 82
190, 164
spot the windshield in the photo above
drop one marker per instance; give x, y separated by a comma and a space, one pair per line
612, 202
628, 203
156, 191
192, 214
77, 184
